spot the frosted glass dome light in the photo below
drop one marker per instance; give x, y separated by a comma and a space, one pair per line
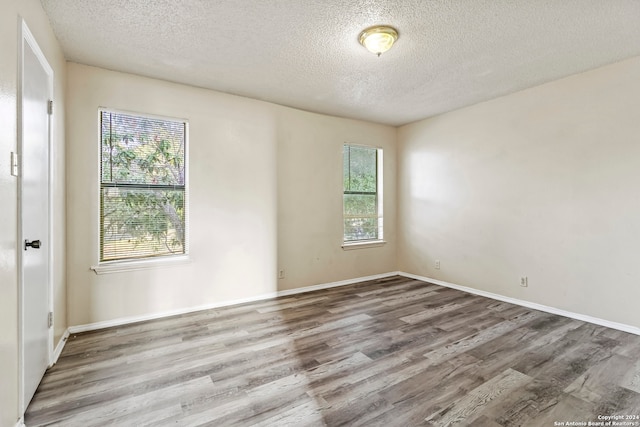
378, 39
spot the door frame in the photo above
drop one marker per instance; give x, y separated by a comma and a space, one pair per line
26, 38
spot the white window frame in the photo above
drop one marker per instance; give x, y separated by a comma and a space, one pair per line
124, 265
379, 241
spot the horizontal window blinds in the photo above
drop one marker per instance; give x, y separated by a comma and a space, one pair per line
143, 191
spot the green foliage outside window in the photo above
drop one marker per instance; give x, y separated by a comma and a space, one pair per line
360, 193
142, 187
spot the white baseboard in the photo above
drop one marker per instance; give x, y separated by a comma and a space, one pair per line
59, 347
134, 319
20, 423
336, 284
602, 322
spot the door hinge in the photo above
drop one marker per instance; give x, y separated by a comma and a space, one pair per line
50, 107
50, 319
14, 164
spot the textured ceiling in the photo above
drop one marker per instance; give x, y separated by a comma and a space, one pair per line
305, 53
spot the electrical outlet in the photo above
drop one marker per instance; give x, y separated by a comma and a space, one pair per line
524, 281
280, 274
437, 264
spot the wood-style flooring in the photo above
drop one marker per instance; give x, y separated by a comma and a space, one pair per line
389, 352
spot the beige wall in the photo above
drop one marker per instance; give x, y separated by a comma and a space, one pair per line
38, 23
265, 192
310, 199
542, 183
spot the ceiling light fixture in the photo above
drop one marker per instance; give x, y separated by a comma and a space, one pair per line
378, 39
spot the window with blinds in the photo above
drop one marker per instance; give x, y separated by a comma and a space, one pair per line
362, 200
142, 187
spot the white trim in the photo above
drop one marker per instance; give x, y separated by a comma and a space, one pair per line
51, 211
123, 266
585, 318
336, 284
349, 246
20, 423
552, 310
379, 241
145, 115
380, 192
160, 261
23, 30
133, 319
59, 347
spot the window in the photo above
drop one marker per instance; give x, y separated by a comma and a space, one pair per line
142, 187
362, 195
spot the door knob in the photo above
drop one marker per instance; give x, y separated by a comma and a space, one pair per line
35, 244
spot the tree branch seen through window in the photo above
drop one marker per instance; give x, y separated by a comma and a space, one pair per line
361, 198
142, 188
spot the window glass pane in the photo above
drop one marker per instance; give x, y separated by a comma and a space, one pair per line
360, 217
359, 168
143, 187
142, 222
142, 150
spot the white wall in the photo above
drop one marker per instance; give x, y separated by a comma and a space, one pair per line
38, 23
310, 225
542, 183
256, 170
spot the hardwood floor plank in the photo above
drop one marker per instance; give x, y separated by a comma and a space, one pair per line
476, 339
565, 409
479, 399
315, 375
526, 404
621, 401
298, 305
483, 421
160, 403
418, 397
305, 414
430, 313
600, 379
632, 378
388, 352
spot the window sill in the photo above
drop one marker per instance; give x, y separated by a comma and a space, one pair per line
124, 266
349, 246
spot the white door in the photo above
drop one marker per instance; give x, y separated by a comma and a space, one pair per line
34, 213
